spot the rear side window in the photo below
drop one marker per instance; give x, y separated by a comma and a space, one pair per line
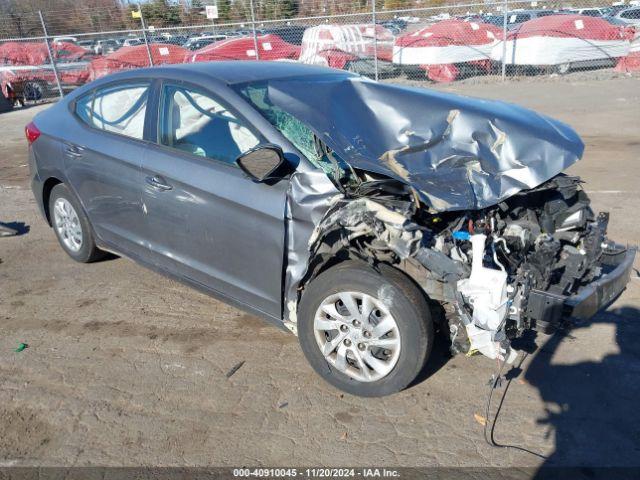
118, 109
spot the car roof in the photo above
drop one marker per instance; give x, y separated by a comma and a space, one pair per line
241, 71
533, 11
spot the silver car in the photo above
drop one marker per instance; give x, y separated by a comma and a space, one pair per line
630, 16
358, 215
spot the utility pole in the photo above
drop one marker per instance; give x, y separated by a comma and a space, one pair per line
53, 63
504, 40
375, 40
144, 35
253, 26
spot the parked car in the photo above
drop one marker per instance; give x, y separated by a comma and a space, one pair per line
228, 33
563, 42
88, 44
400, 24
612, 10
518, 17
447, 50
589, 12
179, 40
136, 57
346, 229
350, 47
497, 20
65, 39
132, 42
615, 21
630, 16
269, 47
290, 33
196, 43
105, 47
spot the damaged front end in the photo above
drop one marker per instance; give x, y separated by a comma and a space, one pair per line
529, 262
465, 196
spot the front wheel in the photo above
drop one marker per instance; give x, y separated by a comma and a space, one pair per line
367, 332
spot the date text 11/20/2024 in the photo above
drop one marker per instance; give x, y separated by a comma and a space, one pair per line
316, 472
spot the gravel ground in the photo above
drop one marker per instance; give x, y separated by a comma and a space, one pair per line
125, 367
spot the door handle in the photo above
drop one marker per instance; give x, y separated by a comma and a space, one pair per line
158, 183
73, 151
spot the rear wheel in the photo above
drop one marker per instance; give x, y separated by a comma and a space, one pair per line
366, 332
72, 226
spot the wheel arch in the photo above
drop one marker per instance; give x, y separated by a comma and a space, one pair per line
47, 187
412, 271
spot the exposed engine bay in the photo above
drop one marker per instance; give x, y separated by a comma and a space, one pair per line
466, 196
497, 271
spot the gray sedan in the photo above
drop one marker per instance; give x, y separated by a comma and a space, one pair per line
360, 216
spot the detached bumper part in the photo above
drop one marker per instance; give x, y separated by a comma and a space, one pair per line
598, 294
547, 309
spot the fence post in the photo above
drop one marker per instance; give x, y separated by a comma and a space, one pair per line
504, 40
375, 40
253, 27
51, 59
144, 35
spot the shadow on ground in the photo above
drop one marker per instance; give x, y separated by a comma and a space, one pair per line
13, 229
592, 407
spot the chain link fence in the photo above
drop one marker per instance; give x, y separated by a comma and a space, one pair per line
46, 53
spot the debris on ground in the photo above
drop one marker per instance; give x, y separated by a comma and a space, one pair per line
480, 419
235, 368
21, 346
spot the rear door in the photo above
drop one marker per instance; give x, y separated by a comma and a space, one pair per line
104, 158
206, 220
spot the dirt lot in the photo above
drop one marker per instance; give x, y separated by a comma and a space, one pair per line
125, 367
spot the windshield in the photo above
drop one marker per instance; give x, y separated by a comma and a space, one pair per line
298, 133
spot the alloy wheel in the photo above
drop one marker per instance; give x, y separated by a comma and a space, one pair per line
357, 335
67, 224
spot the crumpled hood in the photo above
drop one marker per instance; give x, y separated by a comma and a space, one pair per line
457, 152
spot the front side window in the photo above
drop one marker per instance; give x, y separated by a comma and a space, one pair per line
194, 122
297, 132
118, 109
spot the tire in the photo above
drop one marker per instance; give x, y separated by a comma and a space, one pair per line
6, 105
393, 294
68, 216
34, 90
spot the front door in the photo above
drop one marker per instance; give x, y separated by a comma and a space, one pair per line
205, 219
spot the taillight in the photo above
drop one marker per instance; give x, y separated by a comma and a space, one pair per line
32, 132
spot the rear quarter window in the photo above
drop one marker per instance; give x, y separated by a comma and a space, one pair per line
117, 109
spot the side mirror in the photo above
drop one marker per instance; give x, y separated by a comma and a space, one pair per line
261, 162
